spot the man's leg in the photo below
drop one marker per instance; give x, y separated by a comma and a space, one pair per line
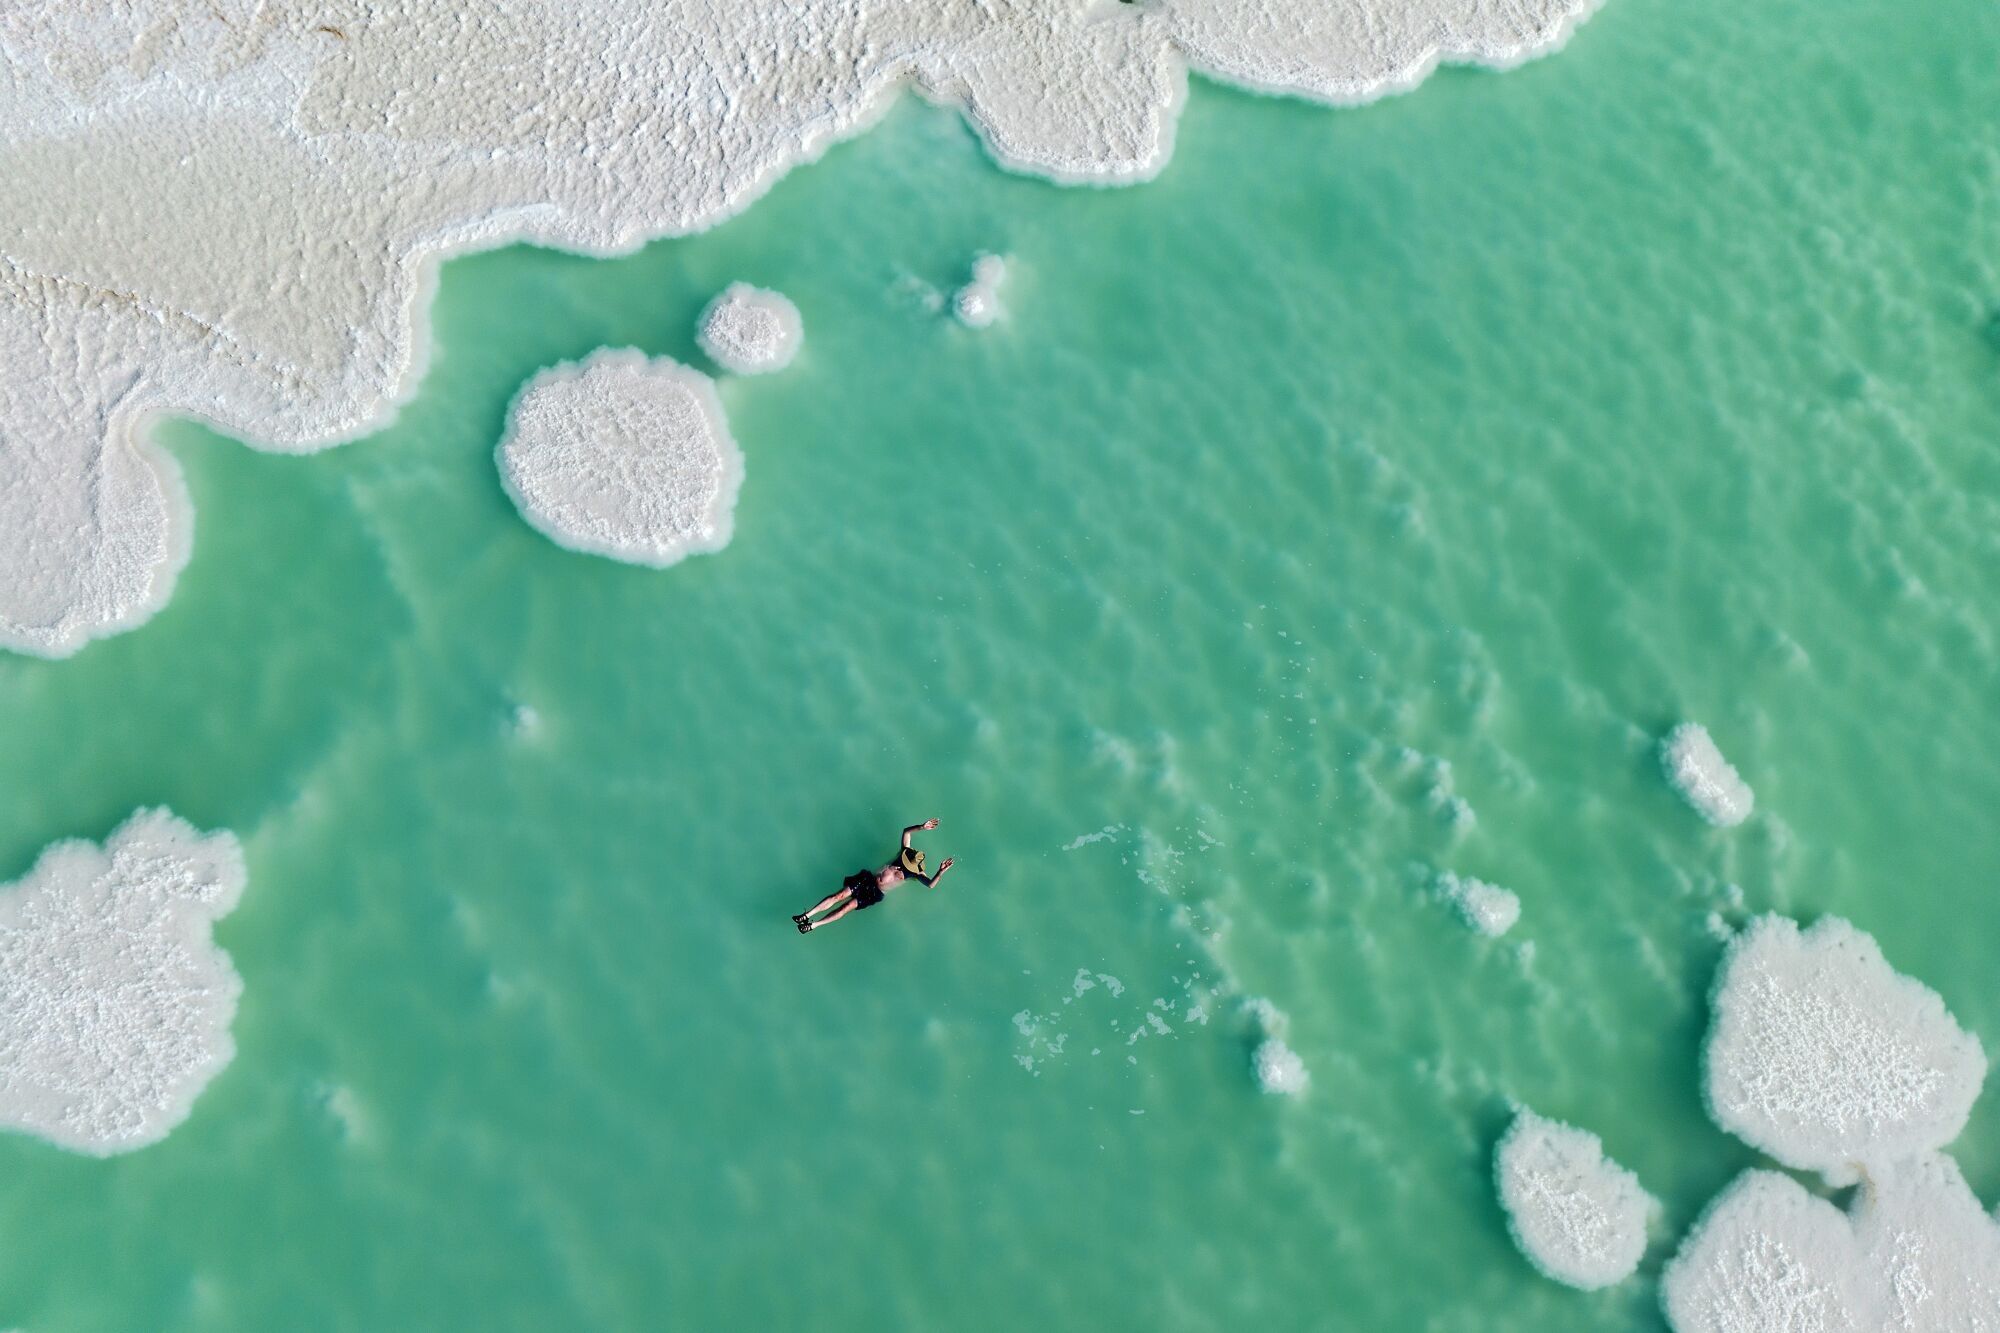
838, 896
845, 908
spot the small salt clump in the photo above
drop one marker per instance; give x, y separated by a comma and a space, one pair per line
1279, 1068
1578, 1216
750, 331
1487, 908
115, 1003
1826, 1058
625, 457
1703, 777
977, 303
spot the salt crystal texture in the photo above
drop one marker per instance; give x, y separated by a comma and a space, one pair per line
1703, 777
1915, 1254
625, 457
1578, 1216
1487, 908
750, 331
302, 180
1827, 1059
115, 1003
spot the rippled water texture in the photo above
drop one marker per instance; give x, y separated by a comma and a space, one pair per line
1362, 499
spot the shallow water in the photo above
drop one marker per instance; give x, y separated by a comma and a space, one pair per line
1445, 450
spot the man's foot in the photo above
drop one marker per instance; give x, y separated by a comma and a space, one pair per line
802, 923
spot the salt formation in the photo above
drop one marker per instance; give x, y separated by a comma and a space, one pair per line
1578, 1216
750, 331
215, 209
1703, 777
1487, 908
977, 303
1915, 1254
1278, 1067
1824, 1057
625, 457
115, 1003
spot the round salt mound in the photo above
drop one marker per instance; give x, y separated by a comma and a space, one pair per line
1279, 1068
977, 304
1578, 1216
624, 457
1825, 1057
1487, 908
115, 1003
750, 331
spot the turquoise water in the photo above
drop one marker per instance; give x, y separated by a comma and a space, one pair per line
1452, 447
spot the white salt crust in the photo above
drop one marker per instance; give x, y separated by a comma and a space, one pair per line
233, 210
1487, 908
1578, 1216
977, 303
1703, 777
624, 457
1829, 1060
115, 1003
1914, 1254
750, 331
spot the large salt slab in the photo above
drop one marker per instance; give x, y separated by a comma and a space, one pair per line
750, 330
1487, 908
624, 457
1916, 1254
115, 1003
1827, 1059
1703, 777
1578, 1216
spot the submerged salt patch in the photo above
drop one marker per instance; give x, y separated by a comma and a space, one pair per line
1487, 908
1278, 1068
750, 330
1703, 777
1915, 1254
1578, 1216
977, 303
115, 1003
1829, 1060
625, 457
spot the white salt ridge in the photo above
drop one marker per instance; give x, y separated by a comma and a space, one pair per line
1578, 1216
1703, 777
750, 331
115, 1003
1915, 1254
977, 303
1829, 1060
303, 179
624, 457
1487, 908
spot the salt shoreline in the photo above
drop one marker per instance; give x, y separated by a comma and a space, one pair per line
304, 186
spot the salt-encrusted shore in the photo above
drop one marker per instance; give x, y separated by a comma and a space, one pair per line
115, 1003
1578, 1216
750, 330
233, 210
624, 457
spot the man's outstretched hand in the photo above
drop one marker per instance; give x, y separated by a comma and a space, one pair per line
928, 824
941, 869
